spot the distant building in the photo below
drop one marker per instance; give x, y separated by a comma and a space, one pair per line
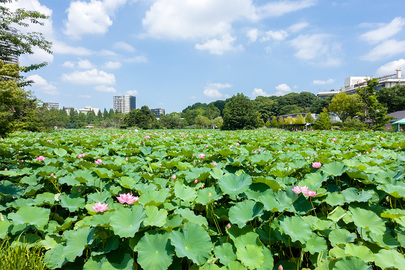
158, 112
68, 109
8, 52
354, 83
51, 105
124, 103
87, 109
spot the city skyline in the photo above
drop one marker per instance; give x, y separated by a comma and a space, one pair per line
173, 53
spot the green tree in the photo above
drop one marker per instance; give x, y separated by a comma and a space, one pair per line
280, 121
392, 98
202, 121
274, 122
171, 121
372, 110
239, 113
309, 119
73, 117
18, 108
345, 106
323, 121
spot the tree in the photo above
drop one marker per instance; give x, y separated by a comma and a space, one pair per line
18, 108
274, 122
392, 98
309, 119
323, 121
372, 110
345, 106
171, 121
239, 113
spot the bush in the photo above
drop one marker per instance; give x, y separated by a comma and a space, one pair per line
354, 124
21, 257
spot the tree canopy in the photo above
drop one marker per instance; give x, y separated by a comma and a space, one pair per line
240, 113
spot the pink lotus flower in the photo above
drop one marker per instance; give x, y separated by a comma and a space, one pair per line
310, 193
259, 150
81, 155
334, 139
196, 181
228, 226
52, 175
174, 177
6, 169
280, 267
316, 165
237, 144
201, 155
127, 198
359, 155
372, 150
98, 161
100, 207
147, 137
41, 158
214, 164
296, 190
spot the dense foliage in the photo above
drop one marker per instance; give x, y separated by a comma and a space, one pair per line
209, 199
239, 113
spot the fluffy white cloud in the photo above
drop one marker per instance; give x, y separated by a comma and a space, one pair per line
386, 49
252, 34
259, 92
112, 65
298, 27
275, 35
132, 92
123, 46
320, 49
59, 47
320, 82
179, 19
85, 64
282, 89
68, 64
391, 67
137, 59
92, 76
279, 8
42, 85
90, 18
219, 46
212, 89
105, 88
384, 32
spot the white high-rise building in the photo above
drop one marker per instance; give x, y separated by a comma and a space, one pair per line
124, 103
51, 105
8, 52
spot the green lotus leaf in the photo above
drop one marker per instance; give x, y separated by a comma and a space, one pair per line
126, 221
341, 237
351, 263
270, 182
389, 259
103, 173
50, 241
154, 216
278, 202
297, 228
268, 263
208, 195
234, 185
31, 215
335, 199
196, 173
155, 197
72, 202
337, 252
368, 220
185, 193
385, 240
337, 214
209, 266
315, 244
313, 180
235, 265
55, 257
352, 195
98, 197
398, 215
69, 180
191, 217
4, 226
128, 182
244, 211
359, 251
335, 168
251, 256
9, 189
397, 191
216, 173
225, 253
193, 242
116, 260
357, 174
60, 152
77, 240
154, 251
322, 225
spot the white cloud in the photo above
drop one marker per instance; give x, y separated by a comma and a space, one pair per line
123, 46
92, 76
108, 53
219, 46
384, 32
112, 65
90, 18
68, 64
391, 67
137, 59
275, 35
259, 92
104, 88
318, 48
85, 64
212, 89
279, 8
179, 19
282, 89
42, 85
252, 34
386, 49
298, 27
132, 92
59, 47
320, 82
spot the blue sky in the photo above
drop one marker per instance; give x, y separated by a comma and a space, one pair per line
173, 53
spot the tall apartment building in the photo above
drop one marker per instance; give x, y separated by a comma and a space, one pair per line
51, 105
124, 103
9, 52
158, 112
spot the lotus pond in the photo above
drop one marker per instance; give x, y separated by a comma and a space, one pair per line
187, 199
